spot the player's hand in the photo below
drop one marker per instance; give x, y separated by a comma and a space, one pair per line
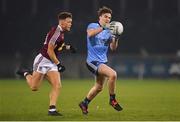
116, 37
73, 49
61, 68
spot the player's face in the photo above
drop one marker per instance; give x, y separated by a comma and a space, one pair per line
66, 24
105, 18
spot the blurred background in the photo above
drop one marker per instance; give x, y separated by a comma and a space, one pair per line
149, 46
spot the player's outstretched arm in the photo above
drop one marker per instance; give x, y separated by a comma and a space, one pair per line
67, 47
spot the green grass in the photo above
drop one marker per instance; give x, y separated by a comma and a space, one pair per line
142, 100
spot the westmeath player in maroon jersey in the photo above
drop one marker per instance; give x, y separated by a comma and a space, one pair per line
47, 64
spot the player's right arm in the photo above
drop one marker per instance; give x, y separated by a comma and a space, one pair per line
52, 54
53, 57
94, 29
93, 32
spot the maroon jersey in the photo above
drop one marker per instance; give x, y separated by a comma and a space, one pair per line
56, 37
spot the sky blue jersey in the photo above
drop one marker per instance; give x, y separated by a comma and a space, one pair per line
98, 45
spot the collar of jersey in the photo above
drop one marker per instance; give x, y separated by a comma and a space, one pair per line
60, 28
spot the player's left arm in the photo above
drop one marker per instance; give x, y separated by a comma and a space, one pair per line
114, 43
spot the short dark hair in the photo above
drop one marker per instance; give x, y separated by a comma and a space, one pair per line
64, 15
104, 10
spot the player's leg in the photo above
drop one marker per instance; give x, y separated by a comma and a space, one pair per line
112, 76
54, 79
98, 86
34, 80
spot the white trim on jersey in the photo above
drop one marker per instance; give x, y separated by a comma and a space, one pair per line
55, 35
60, 28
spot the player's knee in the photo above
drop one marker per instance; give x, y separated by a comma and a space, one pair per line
57, 86
113, 76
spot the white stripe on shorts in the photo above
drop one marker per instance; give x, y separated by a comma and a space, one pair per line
92, 66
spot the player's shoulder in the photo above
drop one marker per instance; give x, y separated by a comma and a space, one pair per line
93, 25
53, 29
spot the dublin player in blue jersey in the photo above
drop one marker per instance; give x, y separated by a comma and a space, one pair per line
99, 39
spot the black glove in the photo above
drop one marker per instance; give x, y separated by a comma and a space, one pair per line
72, 49
61, 68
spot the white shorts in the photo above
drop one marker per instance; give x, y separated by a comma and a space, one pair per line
43, 65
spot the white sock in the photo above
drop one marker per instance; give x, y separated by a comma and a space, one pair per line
52, 109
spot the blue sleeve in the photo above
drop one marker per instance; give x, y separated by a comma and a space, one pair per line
92, 26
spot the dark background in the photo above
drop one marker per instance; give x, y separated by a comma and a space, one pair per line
152, 25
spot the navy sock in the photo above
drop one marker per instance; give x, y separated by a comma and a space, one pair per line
86, 101
112, 97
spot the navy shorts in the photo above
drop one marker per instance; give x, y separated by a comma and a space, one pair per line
93, 66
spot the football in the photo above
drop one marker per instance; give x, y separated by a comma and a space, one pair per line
116, 28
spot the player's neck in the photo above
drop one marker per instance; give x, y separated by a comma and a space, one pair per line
100, 23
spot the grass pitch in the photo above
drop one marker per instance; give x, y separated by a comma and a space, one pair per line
142, 100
